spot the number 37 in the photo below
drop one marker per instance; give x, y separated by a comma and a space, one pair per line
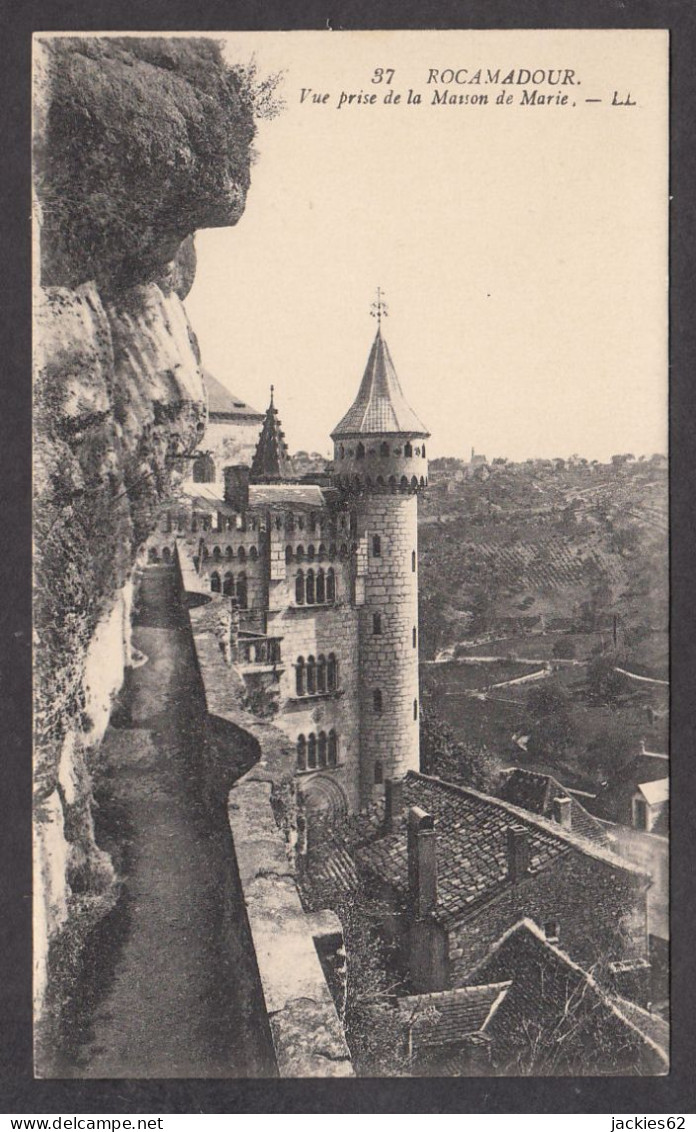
383, 75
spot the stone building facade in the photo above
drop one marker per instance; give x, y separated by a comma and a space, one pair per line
322, 573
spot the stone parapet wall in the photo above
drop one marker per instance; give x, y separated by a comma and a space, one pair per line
307, 1034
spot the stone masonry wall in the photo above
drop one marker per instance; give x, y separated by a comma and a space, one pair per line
389, 659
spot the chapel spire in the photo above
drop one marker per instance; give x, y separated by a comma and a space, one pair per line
271, 463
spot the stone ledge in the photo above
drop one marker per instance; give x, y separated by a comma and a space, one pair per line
307, 1034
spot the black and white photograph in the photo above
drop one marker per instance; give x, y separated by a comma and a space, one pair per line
350, 521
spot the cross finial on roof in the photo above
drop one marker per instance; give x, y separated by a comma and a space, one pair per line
379, 309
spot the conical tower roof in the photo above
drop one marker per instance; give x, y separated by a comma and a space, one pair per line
380, 405
271, 462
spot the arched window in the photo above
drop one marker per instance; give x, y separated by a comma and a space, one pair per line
322, 748
408, 448
229, 553
333, 748
414, 483
299, 588
217, 554
344, 550
376, 623
333, 551
392, 483
301, 752
309, 589
423, 451
228, 585
312, 752
384, 448
321, 674
360, 451
253, 554
413, 561
379, 774
311, 676
403, 483
152, 555
415, 709
203, 469
321, 553
206, 554
422, 481
288, 554
415, 637
242, 591
242, 554
380, 481
194, 523
321, 587
377, 700
215, 582
376, 546
332, 673
300, 676
299, 553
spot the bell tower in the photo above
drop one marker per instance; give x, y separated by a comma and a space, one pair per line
380, 465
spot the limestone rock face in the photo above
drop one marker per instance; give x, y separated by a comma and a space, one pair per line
138, 142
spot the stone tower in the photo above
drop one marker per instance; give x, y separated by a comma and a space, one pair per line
380, 464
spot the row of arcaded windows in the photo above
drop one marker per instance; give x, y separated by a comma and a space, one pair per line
313, 552
217, 554
317, 751
314, 677
316, 525
385, 450
231, 587
153, 555
359, 483
378, 703
315, 588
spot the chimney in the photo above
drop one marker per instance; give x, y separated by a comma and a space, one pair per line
237, 486
393, 802
561, 811
422, 862
517, 852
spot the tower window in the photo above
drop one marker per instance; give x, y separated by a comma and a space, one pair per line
299, 553
379, 773
310, 552
312, 752
423, 450
377, 700
322, 748
413, 561
552, 931
166, 554
321, 674
415, 637
229, 553
384, 448
242, 592
333, 748
376, 546
310, 593
330, 584
288, 554
415, 709
242, 554
301, 752
408, 448
360, 451
216, 553
376, 623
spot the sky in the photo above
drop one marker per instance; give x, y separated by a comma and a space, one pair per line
522, 249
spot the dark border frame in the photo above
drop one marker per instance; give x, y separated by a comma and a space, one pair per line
19, 1092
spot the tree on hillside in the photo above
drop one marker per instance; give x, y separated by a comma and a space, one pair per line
443, 755
564, 648
609, 753
550, 722
604, 683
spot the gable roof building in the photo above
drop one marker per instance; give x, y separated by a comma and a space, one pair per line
546, 796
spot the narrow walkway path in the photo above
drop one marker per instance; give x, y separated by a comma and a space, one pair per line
162, 996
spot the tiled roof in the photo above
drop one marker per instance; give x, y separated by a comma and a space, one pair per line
271, 460
329, 875
571, 1023
536, 792
447, 1017
380, 405
223, 403
267, 494
471, 839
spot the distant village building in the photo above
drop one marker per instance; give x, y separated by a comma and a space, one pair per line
477, 466
651, 806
